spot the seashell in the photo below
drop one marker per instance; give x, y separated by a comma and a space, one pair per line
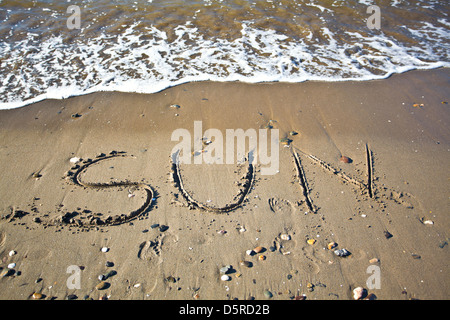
258, 249
359, 293
11, 253
250, 252
175, 106
285, 237
37, 296
345, 159
342, 252
225, 278
105, 249
311, 241
428, 222
11, 265
247, 264
102, 285
374, 260
171, 279
262, 257
293, 133
332, 245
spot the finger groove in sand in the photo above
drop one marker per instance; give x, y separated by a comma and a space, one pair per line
248, 183
303, 183
118, 219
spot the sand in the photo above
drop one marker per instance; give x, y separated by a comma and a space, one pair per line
388, 207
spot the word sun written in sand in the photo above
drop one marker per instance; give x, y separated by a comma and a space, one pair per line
86, 219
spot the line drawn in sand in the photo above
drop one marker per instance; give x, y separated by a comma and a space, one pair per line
367, 187
247, 185
74, 176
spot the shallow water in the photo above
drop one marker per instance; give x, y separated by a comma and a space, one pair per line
146, 46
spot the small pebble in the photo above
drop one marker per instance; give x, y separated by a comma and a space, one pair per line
332, 245
74, 160
11, 253
311, 241
225, 269
285, 237
250, 252
11, 265
345, 159
342, 252
37, 296
247, 264
105, 249
163, 228
225, 278
359, 293
109, 264
101, 286
153, 226
262, 257
6, 273
268, 294
258, 249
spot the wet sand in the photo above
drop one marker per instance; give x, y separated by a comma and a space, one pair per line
387, 207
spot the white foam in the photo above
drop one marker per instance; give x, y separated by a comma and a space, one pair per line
127, 63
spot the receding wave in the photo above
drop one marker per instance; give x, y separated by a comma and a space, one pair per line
147, 46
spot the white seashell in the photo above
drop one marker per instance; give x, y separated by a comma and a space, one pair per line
137, 285
105, 249
242, 229
11, 253
250, 252
11, 265
428, 222
358, 293
74, 159
225, 278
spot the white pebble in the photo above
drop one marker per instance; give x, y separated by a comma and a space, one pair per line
225, 278
11, 253
11, 265
250, 252
105, 249
285, 237
74, 159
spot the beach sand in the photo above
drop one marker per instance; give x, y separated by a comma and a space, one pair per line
389, 204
